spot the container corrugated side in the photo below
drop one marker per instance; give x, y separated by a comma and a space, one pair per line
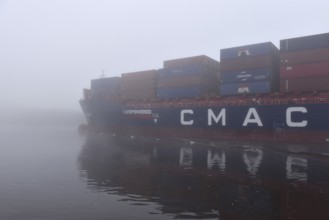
310, 84
105, 85
192, 70
304, 56
138, 94
266, 61
139, 84
247, 50
251, 75
185, 92
305, 43
201, 60
246, 88
182, 81
140, 75
304, 70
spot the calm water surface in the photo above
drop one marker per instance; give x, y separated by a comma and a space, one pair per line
53, 172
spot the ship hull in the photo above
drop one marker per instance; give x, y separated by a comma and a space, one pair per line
274, 122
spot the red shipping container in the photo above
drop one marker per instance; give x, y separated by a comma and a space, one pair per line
247, 63
309, 84
305, 56
304, 70
138, 94
138, 84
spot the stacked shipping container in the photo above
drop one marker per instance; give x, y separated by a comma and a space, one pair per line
188, 77
139, 85
252, 69
249, 69
105, 87
305, 64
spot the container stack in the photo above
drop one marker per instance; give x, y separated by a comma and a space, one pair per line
188, 78
105, 87
305, 64
250, 69
139, 85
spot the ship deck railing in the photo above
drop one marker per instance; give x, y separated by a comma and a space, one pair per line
227, 102
253, 100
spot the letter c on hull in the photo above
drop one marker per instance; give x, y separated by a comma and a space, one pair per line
289, 112
182, 117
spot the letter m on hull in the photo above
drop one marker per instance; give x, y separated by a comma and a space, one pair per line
221, 116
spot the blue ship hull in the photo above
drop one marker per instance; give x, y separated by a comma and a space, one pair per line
248, 119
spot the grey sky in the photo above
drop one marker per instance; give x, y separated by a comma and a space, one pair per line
50, 49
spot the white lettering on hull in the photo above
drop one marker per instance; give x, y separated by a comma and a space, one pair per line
289, 112
183, 121
137, 112
254, 119
212, 116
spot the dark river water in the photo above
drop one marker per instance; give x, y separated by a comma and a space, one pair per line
53, 172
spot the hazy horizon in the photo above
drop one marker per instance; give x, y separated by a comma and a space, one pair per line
41, 117
50, 50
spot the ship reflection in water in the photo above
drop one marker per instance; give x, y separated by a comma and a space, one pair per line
218, 180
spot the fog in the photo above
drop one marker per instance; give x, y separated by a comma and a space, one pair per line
49, 50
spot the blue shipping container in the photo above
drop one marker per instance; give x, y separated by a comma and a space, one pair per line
305, 43
247, 50
246, 88
183, 71
185, 92
250, 75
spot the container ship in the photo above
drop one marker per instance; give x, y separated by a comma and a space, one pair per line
254, 92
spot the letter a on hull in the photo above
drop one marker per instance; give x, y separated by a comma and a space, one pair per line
252, 117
